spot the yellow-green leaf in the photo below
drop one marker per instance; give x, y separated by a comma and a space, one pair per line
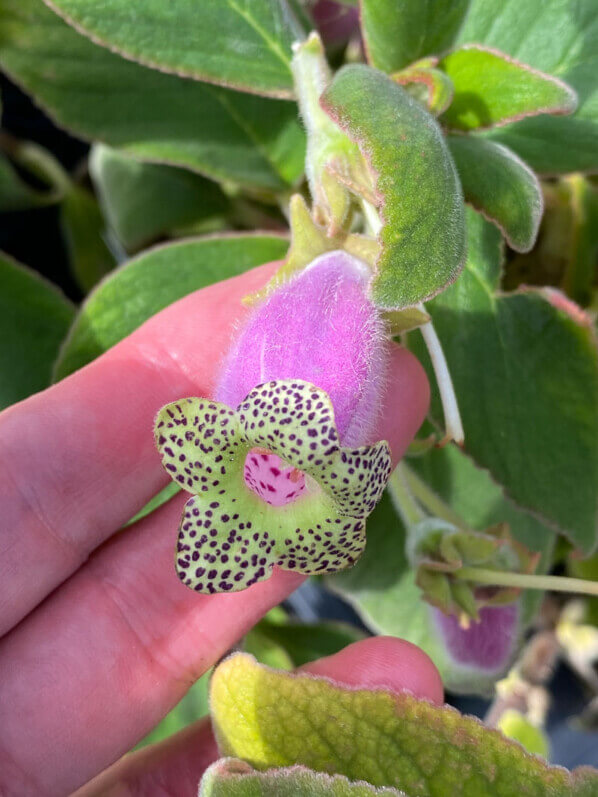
229, 777
276, 719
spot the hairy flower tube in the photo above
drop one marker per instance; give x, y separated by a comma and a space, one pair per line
278, 464
487, 644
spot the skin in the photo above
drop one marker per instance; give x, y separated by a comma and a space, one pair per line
100, 639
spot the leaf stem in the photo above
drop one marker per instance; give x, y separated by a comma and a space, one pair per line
502, 578
403, 500
371, 217
452, 417
430, 500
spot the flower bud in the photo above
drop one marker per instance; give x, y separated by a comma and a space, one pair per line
486, 645
319, 327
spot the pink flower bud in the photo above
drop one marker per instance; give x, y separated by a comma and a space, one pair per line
319, 327
487, 645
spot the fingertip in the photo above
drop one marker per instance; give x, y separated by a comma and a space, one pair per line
405, 402
383, 663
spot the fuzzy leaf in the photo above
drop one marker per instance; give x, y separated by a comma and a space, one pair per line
417, 189
152, 281
16, 194
560, 38
526, 376
221, 133
381, 587
275, 719
34, 318
499, 185
305, 642
398, 33
84, 231
232, 778
243, 44
492, 89
132, 194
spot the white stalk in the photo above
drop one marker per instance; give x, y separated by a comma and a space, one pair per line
371, 217
452, 417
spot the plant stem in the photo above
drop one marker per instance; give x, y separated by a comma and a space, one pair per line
501, 578
371, 217
406, 505
430, 500
452, 418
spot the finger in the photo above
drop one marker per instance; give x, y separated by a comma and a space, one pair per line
119, 644
177, 764
400, 666
78, 460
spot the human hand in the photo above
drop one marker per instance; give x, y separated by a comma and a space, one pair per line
100, 637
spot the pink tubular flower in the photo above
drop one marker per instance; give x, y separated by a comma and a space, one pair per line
319, 327
278, 463
486, 645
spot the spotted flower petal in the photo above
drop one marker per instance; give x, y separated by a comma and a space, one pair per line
231, 535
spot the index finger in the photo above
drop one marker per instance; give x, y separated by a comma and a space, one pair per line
77, 461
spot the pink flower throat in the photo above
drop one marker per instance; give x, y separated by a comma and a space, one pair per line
271, 478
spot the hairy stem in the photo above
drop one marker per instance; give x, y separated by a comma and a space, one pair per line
452, 418
403, 500
430, 500
499, 578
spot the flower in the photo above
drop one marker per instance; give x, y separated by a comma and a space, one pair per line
287, 478
230, 537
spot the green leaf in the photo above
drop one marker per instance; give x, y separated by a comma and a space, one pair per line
276, 719
305, 642
84, 230
221, 133
192, 707
15, 193
143, 201
398, 33
243, 44
499, 185
516, 726
160, 498
34, 318
526, 378
492, 89
152, 281
582, 249
266, 650
417, 188
232, 778
560, 38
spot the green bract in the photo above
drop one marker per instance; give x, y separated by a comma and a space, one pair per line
416, 185
230, 536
